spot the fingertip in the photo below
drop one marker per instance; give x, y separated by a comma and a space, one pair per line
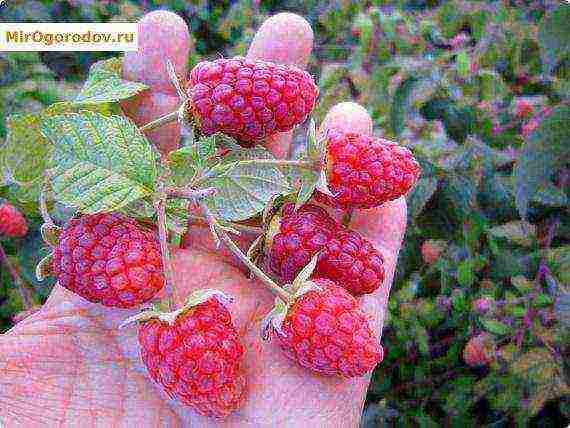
285, 38
162, 35
348, 117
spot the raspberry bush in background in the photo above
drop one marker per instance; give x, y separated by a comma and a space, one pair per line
479, 92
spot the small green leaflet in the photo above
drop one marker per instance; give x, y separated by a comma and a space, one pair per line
105, 84
244, 189
27, 153
102, 163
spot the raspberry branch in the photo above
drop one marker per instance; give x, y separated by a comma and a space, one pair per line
23, 291
160, 207
190, 193
222, 234
161, 121
283, 162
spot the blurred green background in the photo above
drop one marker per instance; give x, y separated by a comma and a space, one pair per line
479, 90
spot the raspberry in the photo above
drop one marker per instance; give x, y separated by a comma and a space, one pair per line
250, 100
345, 256
365, 172
197, 359
431, 250
109, 259
523, 109
12, 222
326, 331
479, 351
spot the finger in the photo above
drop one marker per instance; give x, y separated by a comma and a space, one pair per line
284, 38
162, 35
383, 226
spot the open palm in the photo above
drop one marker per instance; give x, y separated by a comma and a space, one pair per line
69, 365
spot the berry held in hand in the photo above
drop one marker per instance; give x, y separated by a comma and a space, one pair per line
365, 172
109, 259
249, 100
12, 222
197, 358
294, 237
325, 331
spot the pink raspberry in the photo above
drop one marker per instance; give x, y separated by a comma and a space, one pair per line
109, 259
250, 100
345, 256
365, 172
479, 351
12, 222
197, 359
523, 109
326, 331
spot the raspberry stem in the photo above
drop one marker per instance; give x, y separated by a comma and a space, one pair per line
161, 121
189, 193
283, 162
160, 207
245, 228
23, 291
225, 238
43, 207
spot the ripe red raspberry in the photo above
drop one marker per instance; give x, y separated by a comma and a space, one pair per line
479, 351
431, 250
365, 172
523, 109
109, 259
12, 222
250, 100
197, 359
345, 256
326, 331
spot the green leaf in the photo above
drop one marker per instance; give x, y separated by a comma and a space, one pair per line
542, 300
184, 164
554, 37
463, 64
101, 163
421, 194
519, 232
401, 104
105, 84
495, 327
27, 153
465, 273
545, 151
461, 192
244, 188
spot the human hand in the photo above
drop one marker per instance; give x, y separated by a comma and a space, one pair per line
68, 364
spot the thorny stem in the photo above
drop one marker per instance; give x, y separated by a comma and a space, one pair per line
160, 207
282, 162
189, 193
44, 209
27, 299
251, 230
162, 120
225, 238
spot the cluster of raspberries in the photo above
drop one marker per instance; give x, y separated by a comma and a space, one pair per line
195, 353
